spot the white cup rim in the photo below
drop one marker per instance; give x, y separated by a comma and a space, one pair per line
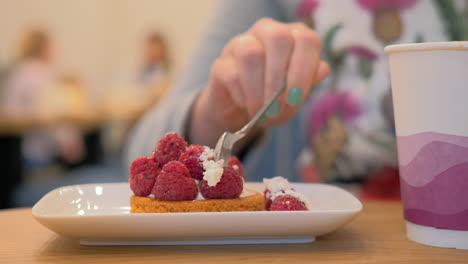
427, 46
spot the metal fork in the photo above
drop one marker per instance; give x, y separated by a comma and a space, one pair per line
226, 142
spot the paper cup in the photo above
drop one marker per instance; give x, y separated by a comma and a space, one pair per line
430, 100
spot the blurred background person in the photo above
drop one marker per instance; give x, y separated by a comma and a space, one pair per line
141, 88
152, 78
29, 75
155, 61
152, 75
143, 85
30, 82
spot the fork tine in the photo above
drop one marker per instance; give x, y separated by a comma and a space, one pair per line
220, 146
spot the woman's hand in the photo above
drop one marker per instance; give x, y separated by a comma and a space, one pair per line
251, 67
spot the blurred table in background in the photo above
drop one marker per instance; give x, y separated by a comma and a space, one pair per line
12, 130
129, 105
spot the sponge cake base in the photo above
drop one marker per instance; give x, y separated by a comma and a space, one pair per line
250, 201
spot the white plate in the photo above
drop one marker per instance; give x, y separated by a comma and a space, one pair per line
98, 214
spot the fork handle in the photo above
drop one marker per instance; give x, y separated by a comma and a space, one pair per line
255, 119
227, 140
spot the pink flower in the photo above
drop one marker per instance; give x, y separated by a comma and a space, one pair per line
375, 6
341, 103
306, 8
362, 52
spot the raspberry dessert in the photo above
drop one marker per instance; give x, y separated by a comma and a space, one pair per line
191, 159
174, 183
274, 185
169, 148
237, 165
143, 174
281, 196
169, 181
229, 186
287, 203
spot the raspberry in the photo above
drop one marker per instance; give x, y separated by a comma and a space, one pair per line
143, 174
169, 148
191, 159
274, 186
230, 186
287, 203
237, 165
175, 184
267, 196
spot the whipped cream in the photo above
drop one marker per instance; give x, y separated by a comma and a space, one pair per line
276, 184
213, 169
301, 197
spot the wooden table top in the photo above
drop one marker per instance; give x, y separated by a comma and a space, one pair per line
377, 235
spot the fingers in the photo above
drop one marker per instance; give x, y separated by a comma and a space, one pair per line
225, 98
278, 43
250, 58
256, 63
225, 81
322, 72
303, 65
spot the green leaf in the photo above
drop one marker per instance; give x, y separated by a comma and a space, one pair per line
454, 25
328, 41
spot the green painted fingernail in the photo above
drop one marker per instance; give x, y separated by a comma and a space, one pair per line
262, 119
273, 110
294, 96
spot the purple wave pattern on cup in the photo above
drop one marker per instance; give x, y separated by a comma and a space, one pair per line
434, 183
409, 146
431, 160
